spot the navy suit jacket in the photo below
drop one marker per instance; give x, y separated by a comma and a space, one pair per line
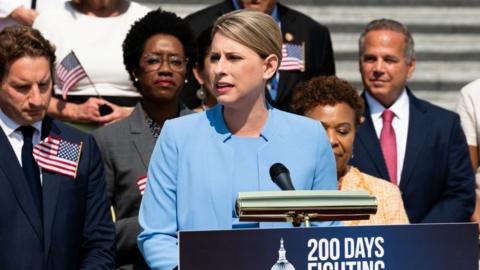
319, 59
77, 230
437, 181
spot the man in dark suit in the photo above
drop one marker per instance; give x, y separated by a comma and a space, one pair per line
53, 205
417, 145
300, 33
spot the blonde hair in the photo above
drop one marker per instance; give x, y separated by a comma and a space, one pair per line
253, 29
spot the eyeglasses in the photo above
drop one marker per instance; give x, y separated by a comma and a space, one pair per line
153, 62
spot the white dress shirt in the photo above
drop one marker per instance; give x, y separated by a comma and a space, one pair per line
15, 137
401, 109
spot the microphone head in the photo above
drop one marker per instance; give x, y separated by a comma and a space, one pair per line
281, 176
277, 169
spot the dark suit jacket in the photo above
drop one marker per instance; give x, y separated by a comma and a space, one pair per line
77, 227
437, 181
126, 148
318, 46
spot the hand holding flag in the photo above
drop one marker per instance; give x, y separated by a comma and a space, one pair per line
69, 73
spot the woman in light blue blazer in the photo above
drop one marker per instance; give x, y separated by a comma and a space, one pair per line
202, 161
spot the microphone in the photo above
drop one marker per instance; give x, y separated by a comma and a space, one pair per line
281, 176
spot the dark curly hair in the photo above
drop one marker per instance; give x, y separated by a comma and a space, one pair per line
326, 90
204, 42
153, 23
20, 41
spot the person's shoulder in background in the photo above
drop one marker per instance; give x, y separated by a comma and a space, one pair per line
301, 18
205, 17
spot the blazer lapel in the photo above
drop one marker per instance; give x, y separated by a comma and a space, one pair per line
367, 137
14, 175
417, 133
50, 187
142, 138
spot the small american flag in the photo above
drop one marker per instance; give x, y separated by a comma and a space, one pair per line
69, 72
57, 155
293, 57
142, 183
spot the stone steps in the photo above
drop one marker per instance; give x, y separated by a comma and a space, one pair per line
453, 3
434, 43
429, 75
419, 15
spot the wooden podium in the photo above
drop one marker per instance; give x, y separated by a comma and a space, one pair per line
392, 247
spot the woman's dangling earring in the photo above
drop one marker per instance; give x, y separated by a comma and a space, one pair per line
202, 95
135, 79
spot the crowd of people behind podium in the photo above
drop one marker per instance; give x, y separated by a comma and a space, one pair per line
176, 116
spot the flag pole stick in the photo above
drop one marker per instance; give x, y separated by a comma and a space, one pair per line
88, 77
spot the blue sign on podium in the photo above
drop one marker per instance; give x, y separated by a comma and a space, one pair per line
392, 247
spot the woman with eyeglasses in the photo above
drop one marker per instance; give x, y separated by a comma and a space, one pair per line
156, 53
202, 161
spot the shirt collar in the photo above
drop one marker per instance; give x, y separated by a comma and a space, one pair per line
274, 14
9, 126
155, 127
400, 107
225, 134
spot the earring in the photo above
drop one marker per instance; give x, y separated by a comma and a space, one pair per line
186, 80
133, 75
201, 94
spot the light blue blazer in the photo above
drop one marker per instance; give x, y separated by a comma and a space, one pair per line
189, 176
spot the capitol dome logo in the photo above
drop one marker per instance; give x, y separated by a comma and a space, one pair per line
282, 262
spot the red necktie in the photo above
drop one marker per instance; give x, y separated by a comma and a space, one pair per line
389, 145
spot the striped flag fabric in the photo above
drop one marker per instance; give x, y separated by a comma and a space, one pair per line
57, 155
142, 183
293, 57
69, 72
